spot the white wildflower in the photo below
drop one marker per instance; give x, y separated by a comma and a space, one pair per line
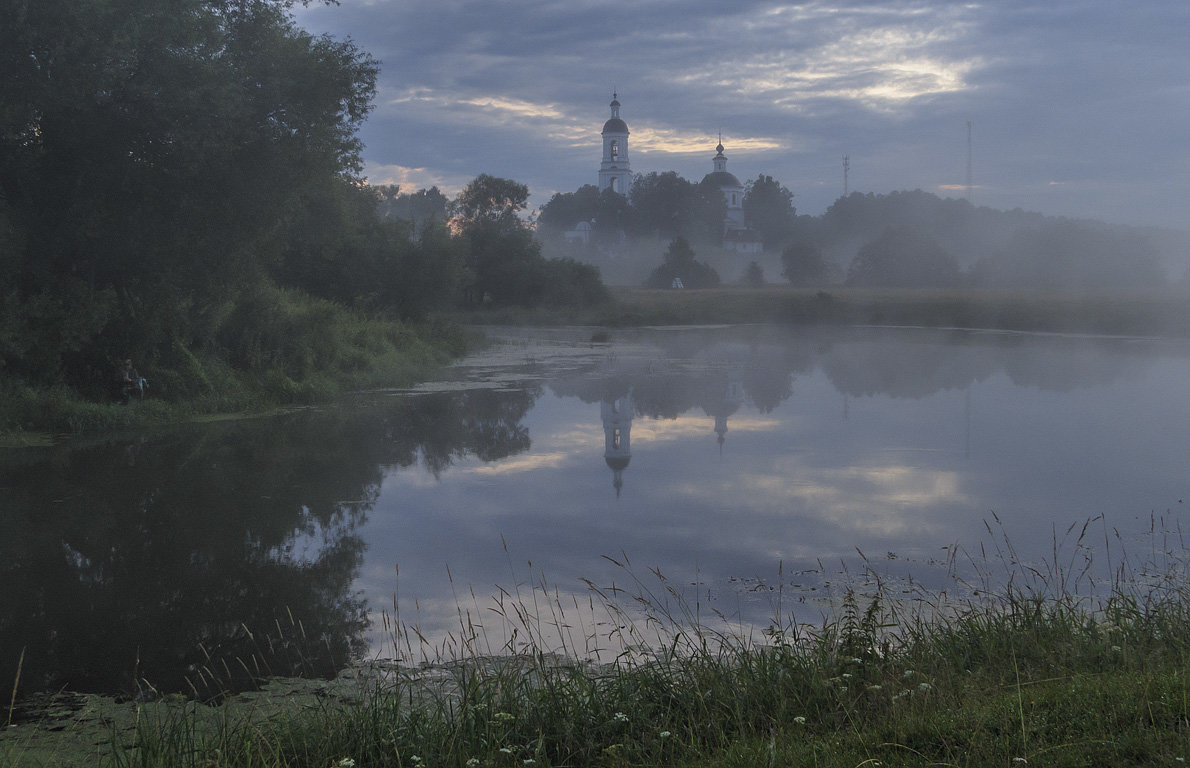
923, 686
873, 687
620, 717
664, 735
846, 675
908, 673
506, 750
528, 761
473, 762
799, 720
856, 661
345, 762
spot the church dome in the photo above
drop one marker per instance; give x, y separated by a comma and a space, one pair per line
615, 125
721, 179
617, 462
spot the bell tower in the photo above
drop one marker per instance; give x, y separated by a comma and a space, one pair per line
614, 172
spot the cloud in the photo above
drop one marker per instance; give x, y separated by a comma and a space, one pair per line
1092, 91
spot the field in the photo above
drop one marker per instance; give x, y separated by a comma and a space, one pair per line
1164, 313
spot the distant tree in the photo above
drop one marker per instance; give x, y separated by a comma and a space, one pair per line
768, 209
754, 275
491, 200
903, 258
666, 205
1064, 253
566, 209
504, 260
680, 263
803, 263
418, 208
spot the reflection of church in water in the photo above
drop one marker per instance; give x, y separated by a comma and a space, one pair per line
617, 436
725, 394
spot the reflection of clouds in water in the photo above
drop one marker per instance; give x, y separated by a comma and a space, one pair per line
518, 464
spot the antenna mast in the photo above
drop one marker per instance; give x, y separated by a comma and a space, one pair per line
846, 171
970, 187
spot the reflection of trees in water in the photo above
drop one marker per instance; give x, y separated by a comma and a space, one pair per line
699, 369
903, 369
220, 552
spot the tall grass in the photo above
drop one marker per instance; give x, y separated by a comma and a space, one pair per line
1032, 665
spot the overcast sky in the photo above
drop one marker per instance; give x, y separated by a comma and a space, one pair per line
1078, 107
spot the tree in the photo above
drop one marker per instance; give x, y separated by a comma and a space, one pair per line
666, 205
491, 200
754, 275
150, 155
680, 264
903, 258
1064, 253
419, 208
503, 257
566, 209
768, 209
803, 263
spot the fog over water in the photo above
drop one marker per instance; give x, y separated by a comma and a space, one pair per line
749, 462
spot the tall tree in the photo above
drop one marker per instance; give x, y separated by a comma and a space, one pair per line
768, 209
150, 153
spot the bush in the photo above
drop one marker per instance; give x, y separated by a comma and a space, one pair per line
680, 264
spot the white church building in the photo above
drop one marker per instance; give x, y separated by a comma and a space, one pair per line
615, 173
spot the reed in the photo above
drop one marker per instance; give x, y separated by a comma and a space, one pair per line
1066, 662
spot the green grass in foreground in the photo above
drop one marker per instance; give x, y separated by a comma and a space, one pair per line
1026, 677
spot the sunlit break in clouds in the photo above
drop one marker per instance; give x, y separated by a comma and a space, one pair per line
1086, 91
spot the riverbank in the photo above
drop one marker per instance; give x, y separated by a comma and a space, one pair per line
352, 353
1165, 313
1037, 676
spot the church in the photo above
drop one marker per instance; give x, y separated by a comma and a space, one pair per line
615, 173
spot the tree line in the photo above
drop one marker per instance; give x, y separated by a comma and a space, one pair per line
181, 183
899, 239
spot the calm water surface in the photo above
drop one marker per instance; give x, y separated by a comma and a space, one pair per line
734, 461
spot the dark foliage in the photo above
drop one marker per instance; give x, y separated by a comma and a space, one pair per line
680, 264
903, 258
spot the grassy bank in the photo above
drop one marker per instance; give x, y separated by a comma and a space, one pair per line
1032, 675
1156, 313
300, 351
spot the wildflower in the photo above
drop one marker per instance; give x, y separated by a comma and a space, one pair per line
799, 720
506, 750
873, 687
923, 686
473, 762
415, 760
856, 661
846, 675
1116, 648
528, 761
620, 717
1020, 760
503, 717
664, 735
908, 673
345, 762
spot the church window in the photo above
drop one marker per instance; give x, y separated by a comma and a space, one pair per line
615, 148
616, 436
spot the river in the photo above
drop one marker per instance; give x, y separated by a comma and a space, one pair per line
731, 475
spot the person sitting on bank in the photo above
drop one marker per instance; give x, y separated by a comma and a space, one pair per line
132, 384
